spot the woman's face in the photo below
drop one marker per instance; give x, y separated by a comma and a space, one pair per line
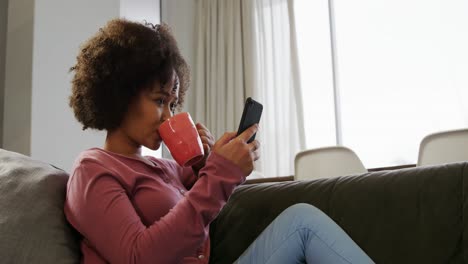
152, 107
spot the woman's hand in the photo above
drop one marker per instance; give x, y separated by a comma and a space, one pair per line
207, 140
237, 150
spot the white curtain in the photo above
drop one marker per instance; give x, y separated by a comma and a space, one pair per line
218, 75
247, 48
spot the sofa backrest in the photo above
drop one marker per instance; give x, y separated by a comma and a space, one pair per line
33, 228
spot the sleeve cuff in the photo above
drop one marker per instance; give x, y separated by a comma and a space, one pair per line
225, 166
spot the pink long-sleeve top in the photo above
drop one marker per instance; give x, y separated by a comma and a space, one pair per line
131, 211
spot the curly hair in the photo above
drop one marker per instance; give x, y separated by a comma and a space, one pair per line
116, 64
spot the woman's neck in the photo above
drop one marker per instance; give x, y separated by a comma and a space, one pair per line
120, 143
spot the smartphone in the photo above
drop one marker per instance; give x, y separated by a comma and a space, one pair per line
250, 116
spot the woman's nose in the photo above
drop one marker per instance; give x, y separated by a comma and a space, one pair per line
167, 113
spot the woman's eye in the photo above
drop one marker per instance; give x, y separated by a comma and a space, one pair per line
173, 107
159, 101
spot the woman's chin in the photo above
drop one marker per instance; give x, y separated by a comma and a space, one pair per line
153, 145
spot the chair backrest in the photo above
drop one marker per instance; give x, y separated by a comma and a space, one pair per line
327, 162
444, 147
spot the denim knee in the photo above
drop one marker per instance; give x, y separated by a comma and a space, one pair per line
305, 215
303, 209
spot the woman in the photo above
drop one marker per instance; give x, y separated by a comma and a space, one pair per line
129, 208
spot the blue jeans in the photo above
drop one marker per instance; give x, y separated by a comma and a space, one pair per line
303, 234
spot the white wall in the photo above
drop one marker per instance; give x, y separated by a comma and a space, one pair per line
18, 76
43, 39
140, 10
180, 15
3, 33
59, 29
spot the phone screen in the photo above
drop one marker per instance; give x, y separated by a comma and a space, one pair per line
250, 116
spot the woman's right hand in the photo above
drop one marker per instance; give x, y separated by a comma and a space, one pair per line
237, 150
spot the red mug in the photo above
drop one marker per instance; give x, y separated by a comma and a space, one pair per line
181, 137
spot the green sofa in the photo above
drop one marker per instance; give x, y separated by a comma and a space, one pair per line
416, 215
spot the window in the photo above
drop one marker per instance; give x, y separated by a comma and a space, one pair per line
315, 62
400, 70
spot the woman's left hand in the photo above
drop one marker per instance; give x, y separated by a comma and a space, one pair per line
207, 140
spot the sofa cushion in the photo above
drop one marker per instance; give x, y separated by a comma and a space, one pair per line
33, 228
